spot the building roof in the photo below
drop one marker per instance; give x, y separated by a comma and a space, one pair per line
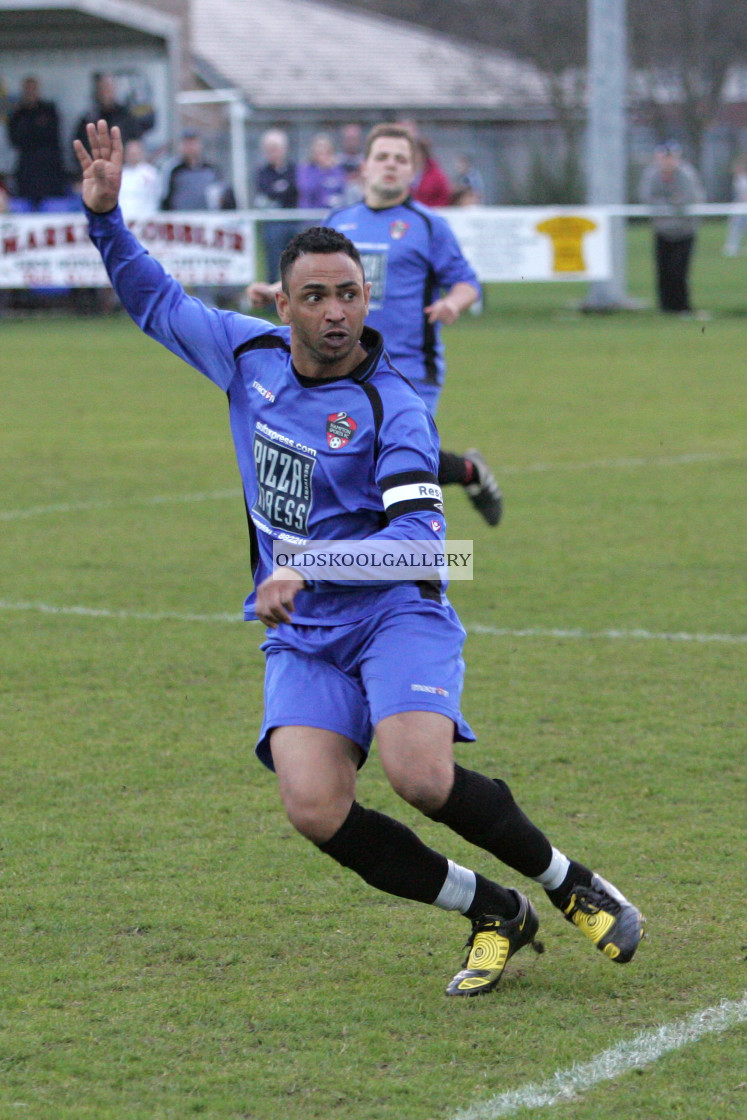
34, 25
302, 54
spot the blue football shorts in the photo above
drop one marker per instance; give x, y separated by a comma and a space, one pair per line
347, 678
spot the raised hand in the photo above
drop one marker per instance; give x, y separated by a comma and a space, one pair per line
102, 169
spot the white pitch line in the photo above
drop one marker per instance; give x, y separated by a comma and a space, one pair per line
608, 635
641, 1050
626, 464
218, 495
155, 500
125, 616
472, 628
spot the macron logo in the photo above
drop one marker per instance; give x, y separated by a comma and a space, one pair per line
433, 690
263, 392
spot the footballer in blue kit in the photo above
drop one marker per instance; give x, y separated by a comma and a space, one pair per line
420, 280
409, 255
333, 444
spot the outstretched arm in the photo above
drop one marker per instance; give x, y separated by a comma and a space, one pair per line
102, 169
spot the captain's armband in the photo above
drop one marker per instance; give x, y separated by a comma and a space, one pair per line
411, 492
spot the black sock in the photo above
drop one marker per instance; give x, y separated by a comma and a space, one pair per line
492, 899
387, 855
576, 875
483, 811
453, 468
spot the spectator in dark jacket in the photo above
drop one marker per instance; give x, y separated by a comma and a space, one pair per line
276, 190
34, 130
106, 107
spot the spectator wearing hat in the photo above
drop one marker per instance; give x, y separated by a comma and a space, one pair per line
671, 187
469, 185
195, 184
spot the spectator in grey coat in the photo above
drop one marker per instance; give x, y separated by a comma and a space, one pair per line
671, 187
194, 184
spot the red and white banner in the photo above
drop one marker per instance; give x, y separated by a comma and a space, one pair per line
218, 247
54, 250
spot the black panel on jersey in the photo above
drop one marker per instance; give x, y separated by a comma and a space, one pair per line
262, 342
430, 294
374, 399
429, 331
253, 545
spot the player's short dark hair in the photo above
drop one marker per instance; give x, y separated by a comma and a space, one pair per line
318, 239
391, 132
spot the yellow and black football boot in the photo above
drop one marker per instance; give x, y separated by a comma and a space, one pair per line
492, 942
606, 917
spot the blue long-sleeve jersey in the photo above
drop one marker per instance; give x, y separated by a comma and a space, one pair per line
410, 255
345, 458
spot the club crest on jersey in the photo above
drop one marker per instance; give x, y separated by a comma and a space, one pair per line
436, 526
340, 430
398, 229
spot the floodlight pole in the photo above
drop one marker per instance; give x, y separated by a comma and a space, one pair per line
606, 151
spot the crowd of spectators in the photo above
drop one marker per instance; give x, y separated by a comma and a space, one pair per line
328, 177
40, 180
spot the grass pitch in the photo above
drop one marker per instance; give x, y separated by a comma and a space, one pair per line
169, 946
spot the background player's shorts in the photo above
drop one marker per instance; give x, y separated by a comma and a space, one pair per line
347, 678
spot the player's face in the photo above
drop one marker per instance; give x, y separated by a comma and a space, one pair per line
325, 306
388, 171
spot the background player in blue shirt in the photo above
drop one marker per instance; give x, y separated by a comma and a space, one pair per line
334, 444
420, 279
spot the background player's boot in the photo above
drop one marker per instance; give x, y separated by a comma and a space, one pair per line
606, 917
492, 942
484, 492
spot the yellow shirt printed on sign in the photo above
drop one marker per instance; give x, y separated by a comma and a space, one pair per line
566, 233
